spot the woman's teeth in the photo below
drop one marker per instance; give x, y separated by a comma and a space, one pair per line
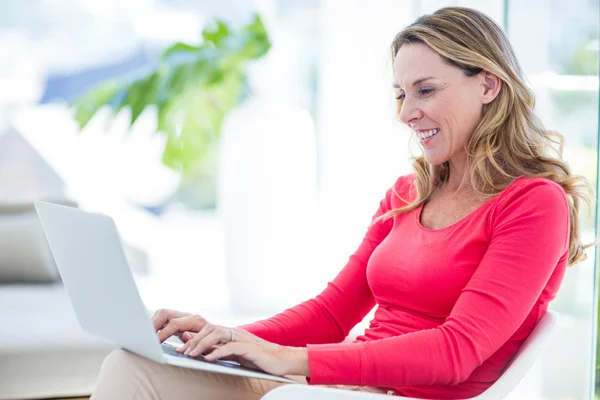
427, 134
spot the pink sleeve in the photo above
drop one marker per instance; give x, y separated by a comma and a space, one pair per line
329, 317
529, 235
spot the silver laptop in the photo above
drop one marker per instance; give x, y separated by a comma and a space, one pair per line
89, 255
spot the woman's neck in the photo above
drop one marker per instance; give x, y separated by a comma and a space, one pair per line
458, 177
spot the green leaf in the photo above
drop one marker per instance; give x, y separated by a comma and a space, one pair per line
177, 79
88, 106
216, 33
141, 94
180, 47
118, 99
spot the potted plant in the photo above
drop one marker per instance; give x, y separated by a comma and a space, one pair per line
192, 88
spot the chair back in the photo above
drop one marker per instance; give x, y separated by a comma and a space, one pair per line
527, 354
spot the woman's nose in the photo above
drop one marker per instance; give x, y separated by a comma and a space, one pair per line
409, 112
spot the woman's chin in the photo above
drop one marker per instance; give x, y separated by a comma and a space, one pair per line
434, 159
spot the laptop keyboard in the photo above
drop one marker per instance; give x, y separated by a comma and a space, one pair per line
172, 351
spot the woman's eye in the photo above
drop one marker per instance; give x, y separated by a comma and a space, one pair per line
422, 92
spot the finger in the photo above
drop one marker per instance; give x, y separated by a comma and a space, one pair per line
181, 324
231, 349
240, 354
180, 335
186, 336
202, 333
159, 318
207, 342
208, 330
163, 316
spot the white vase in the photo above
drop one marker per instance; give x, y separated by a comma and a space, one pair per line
266, 196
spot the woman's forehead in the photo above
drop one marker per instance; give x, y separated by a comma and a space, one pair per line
416, 61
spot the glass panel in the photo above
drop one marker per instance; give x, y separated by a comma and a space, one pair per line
561, 63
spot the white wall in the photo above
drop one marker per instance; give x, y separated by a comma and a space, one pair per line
362, 147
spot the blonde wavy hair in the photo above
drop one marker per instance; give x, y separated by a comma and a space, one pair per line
509, 141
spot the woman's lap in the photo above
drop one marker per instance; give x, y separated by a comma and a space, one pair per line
125, 375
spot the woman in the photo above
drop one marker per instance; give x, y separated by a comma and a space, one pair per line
461, 259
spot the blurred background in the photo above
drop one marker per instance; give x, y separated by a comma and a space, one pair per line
285, 194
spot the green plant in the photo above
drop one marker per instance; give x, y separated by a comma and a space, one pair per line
192, 88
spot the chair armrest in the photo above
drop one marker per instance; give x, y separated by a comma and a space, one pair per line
303, 392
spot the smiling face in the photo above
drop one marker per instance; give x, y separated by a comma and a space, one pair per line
439, 101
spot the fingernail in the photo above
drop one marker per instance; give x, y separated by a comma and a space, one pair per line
180, 349
194, 353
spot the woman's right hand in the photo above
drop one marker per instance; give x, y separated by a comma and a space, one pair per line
206, 336
170, 322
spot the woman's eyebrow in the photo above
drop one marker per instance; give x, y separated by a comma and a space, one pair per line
415, 83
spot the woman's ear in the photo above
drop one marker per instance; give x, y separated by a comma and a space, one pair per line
491, 85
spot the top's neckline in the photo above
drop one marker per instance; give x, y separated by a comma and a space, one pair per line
455, 224
464, 219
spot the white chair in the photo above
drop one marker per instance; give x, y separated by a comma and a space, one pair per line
516, 370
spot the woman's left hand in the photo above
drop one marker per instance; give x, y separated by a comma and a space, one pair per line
247, 349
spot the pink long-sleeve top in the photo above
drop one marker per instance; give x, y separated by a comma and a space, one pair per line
453, 305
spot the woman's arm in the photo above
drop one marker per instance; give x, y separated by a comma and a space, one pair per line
529, 240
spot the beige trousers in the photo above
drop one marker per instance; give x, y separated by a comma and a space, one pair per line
127, 376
